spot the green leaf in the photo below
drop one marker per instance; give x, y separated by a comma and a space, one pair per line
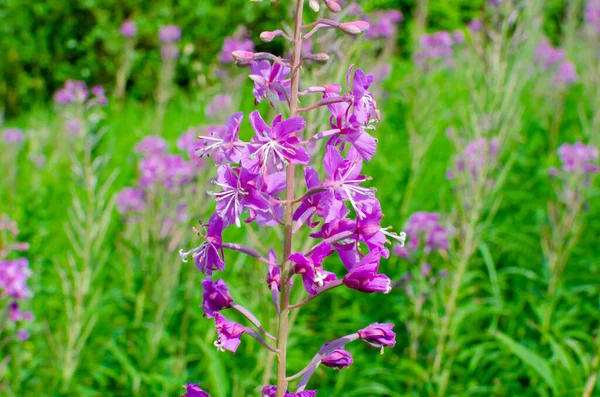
537, 363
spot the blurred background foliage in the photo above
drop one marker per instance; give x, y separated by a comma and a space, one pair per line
45, 42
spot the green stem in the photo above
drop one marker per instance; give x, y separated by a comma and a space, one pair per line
284, 299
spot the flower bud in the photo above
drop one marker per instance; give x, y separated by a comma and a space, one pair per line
353, 28
314, 5
267, 37
338, 359
333, 6
321, 58
242, 58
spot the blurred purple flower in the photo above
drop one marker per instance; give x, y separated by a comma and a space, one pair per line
169, 34
128, 28
131, 200
578, 158
231, 44
565, 74
151, 145
13, 135
423, 230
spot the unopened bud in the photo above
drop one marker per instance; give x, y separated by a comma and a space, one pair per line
242, 58
336, 88
321, 58
333, 6
353, 28
314, 5
267, 37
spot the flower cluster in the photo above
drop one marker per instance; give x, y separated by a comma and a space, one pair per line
551, 58
76, 92
577, 159
337, 205
76, 102
14, 274
384, 24
437, 49
475, 159
159, 169
424, 231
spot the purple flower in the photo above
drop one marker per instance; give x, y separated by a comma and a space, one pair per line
240, 191
565, 74
190, 144
363, 277
548, 56
229, 334
364, 105
22, 335
378, 335
222, 143
592, 14
343, 176
128, 28
434, 48
578, 158
151, 145
271, 391
169, 170
131, 199
270, 81
383, 24
216, 297
169, 34
13, 135
338, 359
345, 248
231, 44
208, 256
274, 273
273, 147
193, 390
475, 26
311, 268
13, 278
320, 204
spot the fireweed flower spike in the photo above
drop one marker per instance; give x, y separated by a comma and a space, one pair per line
257, 183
